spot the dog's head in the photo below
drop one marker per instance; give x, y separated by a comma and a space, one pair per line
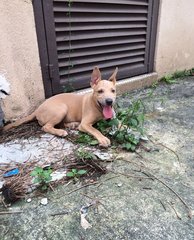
104, 91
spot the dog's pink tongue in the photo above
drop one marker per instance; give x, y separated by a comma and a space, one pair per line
107, 112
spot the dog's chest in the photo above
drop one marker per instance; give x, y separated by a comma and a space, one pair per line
73, 115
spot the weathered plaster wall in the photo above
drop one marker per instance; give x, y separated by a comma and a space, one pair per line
19, 58
175, 40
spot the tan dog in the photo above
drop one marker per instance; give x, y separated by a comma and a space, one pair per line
75, 110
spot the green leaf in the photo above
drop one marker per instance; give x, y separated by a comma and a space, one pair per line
127, 146
81, 172
115, 122
46, 173
74, 170
33, 173
94, 142
133, 148
36, 171
70, 174
44, 187
48, 178
134, 122
120, 137
36, 180
84, 138
49, 171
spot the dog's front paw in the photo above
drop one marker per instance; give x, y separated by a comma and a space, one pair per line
104, 142
61, 133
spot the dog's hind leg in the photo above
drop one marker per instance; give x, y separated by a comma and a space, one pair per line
56, 117
49, 128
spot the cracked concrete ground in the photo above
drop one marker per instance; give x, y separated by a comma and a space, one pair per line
137, 198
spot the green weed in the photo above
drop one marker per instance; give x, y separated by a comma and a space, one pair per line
86, 139
75, 174
42, 177
124, 131
130, 129
84, 154
172, 78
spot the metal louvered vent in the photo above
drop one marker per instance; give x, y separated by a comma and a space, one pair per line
81, 34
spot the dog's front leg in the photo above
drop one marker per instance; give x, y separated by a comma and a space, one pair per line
103, 141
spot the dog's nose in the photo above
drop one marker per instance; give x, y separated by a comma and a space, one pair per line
109, 101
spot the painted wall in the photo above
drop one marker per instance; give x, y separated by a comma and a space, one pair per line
175, 39
19, 58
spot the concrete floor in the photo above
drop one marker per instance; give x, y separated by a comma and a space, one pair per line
142, 207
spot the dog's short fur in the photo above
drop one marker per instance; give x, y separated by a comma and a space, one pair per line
74, 110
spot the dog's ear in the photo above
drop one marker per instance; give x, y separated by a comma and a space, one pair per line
96, 76
113, 76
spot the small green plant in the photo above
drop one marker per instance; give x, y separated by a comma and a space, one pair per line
84, 154
42, 176
130, 129
169, 79
105, 126
75, 174
86, 139
172, 78
125, 130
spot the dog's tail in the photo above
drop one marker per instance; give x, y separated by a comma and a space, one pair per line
29, 118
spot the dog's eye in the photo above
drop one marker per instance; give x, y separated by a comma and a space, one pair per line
113, 90
100, 91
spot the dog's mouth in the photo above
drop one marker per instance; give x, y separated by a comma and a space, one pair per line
107, 110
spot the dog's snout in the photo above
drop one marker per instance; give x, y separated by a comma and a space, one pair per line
109, 101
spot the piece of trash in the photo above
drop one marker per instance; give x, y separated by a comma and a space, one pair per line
31, 189
4, 86
119, 184
137, 135
1, 184
44, 201
144, 138
103, 155
47, 167
11, 173
29, 200
84, 223
57, 175
9, 193
160, 109
191, 214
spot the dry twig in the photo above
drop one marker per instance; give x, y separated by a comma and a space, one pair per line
13, 212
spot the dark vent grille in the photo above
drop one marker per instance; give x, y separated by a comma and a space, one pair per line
99, 33
76, 35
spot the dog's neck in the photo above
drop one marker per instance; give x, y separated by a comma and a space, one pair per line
95, 103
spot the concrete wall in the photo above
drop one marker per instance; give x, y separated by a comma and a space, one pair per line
19, 58
175, 40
